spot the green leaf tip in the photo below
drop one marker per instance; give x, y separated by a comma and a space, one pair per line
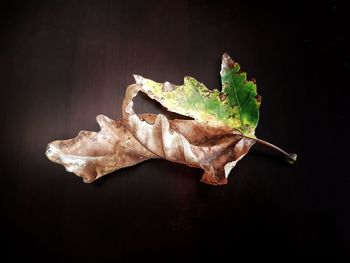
242, 94
236, 106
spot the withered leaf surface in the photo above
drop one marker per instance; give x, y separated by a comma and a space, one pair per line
91, 155
214, 149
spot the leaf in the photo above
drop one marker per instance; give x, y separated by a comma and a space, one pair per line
237, 106
214, 149
221, 133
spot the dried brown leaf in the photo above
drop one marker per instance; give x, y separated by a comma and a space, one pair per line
137, 138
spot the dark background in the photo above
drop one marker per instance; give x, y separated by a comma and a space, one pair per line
64, 62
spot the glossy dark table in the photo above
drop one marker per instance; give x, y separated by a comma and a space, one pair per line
64, 62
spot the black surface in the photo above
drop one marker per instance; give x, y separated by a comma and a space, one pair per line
64, 62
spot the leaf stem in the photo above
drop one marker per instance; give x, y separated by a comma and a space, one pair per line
290, 157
